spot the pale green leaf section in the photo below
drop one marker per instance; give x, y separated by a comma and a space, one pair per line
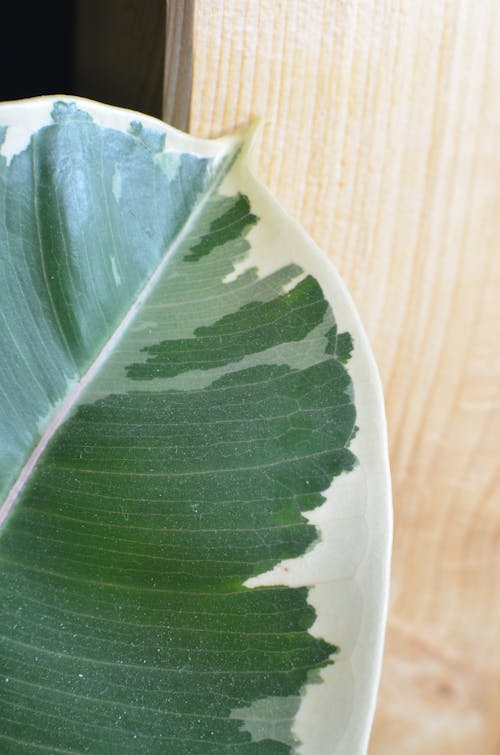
270, 718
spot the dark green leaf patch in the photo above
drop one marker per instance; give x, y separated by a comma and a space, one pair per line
253, 328
233, 223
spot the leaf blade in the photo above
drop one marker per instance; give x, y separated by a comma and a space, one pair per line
268, 419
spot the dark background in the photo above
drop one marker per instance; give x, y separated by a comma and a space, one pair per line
37, 49
107, 50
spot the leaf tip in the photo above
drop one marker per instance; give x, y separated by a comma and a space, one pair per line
250, 134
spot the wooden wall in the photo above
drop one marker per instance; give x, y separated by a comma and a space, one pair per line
384, 143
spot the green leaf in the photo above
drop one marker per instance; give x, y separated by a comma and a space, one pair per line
195, 534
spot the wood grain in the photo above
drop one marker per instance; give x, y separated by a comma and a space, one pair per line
384, 144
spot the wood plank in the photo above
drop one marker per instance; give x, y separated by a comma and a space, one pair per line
384, 144
178, 63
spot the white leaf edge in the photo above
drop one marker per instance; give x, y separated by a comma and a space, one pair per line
348, 572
